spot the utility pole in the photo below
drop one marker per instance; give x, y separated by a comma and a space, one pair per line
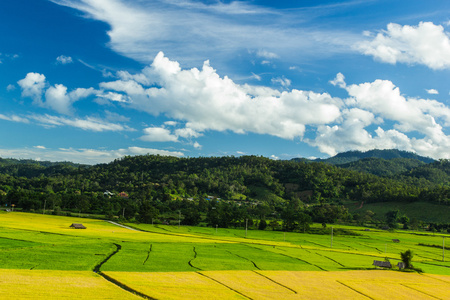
45, 202
216, 228
179, 218
331, 237
246, 225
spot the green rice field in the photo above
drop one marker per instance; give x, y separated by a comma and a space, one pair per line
35, 243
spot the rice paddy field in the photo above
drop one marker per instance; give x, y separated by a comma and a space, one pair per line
41, 257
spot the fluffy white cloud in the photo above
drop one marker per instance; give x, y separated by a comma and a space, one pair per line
352, 134
383, 97
177, 135
56, 97
110, 96
84, 156
64, 60
433, 92
33, 86
425, 44
10, 87
158, 134
171, 123
187, 133
417, 124
205, 101
196, 145
339, 81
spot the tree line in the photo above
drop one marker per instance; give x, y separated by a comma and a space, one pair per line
221, 191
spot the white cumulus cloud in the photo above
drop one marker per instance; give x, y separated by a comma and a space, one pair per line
205, 101
433, 92
33, 86
426, 44
409, 124
158, 134
57, 97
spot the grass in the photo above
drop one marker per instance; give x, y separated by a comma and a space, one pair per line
201, 262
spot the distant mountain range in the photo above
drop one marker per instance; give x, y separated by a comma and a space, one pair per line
12, 161
391, 163
352, 156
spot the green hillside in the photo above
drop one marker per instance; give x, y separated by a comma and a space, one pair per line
352, 156
384, 167
224, 191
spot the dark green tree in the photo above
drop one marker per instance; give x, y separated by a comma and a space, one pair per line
147, 212
191, 216
262, 225
406, 258
392, 218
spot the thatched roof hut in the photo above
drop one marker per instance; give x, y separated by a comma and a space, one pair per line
77, 226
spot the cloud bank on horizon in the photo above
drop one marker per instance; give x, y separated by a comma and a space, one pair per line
297, 76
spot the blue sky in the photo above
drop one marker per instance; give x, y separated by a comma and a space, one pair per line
90, 81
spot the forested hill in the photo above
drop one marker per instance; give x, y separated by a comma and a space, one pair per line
352, 156
12, 161
159, 181
385, 167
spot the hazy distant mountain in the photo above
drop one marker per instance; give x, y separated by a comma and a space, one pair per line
352, 156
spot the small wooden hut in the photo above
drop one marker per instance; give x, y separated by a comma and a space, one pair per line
382, 264
77, 226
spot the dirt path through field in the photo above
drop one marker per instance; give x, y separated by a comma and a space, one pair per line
123, 226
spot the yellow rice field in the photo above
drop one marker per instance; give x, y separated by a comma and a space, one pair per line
376, 284
175, 285
34, 284
243, 284
96, 228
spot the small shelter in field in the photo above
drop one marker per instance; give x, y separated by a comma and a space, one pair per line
396, 240
382, 264
77, 226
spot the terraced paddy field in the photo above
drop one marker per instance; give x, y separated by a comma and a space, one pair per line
41, 257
